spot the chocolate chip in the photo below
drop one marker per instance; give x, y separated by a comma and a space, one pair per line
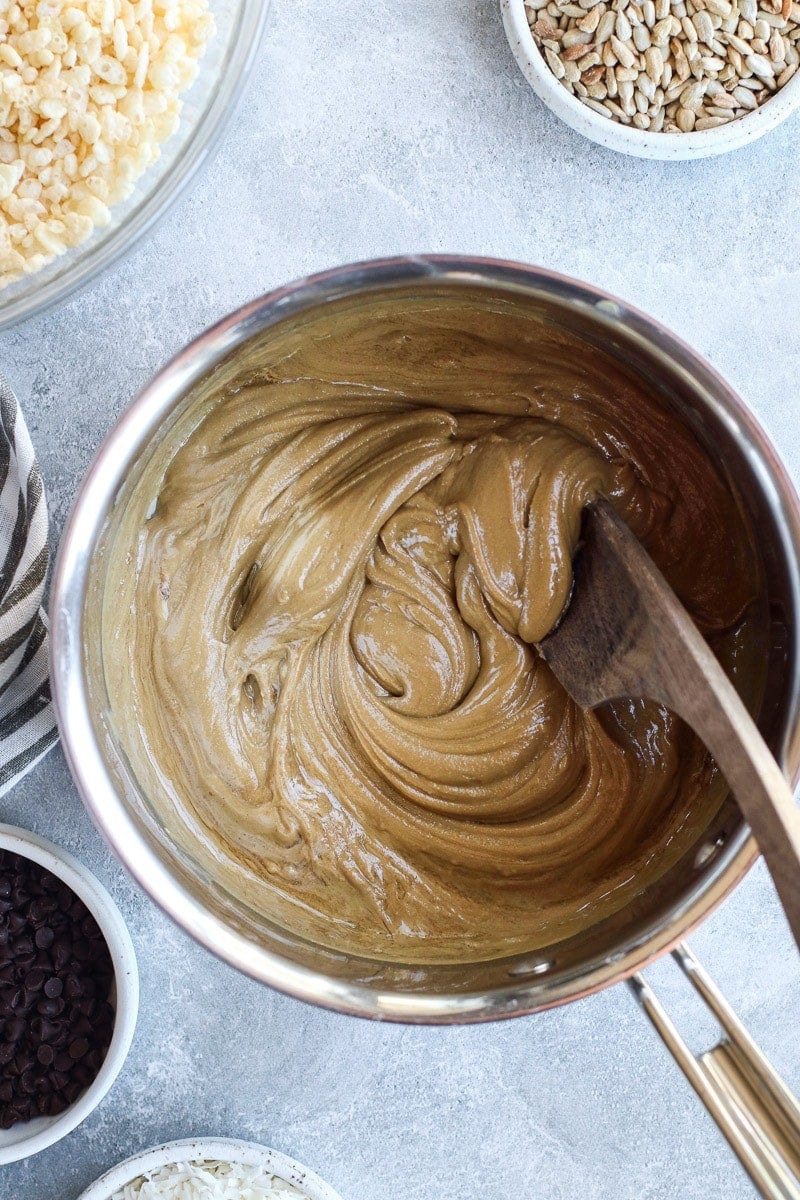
34, 979
14, 1029
81, 950
8, 999
40, 909
80, 1025
73, 987
23, 1060
55, 976
50, 1008
49, 1030
78, 1048
62, 953
45, 1054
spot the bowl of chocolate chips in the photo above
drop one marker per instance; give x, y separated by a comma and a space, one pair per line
69, 993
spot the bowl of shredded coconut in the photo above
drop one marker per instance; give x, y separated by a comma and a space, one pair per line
210, 1169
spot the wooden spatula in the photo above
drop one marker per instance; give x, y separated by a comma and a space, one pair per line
625, 633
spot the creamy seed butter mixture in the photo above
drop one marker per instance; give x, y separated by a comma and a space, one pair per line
319, 626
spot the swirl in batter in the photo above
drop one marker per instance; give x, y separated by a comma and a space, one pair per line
322, 635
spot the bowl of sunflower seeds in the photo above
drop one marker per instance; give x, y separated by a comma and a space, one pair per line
668, 79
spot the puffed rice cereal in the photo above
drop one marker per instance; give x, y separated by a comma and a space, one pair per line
89, 89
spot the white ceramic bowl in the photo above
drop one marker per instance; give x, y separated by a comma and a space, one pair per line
625, 138
205, 1150
29, 1137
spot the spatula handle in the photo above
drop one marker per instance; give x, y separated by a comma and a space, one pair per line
693, 684
659, 652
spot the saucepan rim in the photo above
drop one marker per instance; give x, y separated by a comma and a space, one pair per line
96, 496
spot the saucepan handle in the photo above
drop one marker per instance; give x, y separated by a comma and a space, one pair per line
744, 1094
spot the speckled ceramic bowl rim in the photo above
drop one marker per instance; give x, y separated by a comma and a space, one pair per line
203, 1150
623, 138
45, 1131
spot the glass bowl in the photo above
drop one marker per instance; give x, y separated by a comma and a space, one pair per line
221, 75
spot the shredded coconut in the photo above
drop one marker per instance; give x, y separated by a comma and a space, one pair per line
89, 89
211, 1180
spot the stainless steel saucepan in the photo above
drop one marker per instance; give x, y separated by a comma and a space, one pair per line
754, 1110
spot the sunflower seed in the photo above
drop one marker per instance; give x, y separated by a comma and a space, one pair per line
692, 95
670, 65
760, 66
597, 107
605, 28
573, 37
662, 32
589, 23
738, 44
777, 53
624, 56
554, 63
576, 51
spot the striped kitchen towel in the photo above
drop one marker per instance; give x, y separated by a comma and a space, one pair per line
27, 724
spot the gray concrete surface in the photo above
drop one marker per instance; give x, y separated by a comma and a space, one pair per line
367, 130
